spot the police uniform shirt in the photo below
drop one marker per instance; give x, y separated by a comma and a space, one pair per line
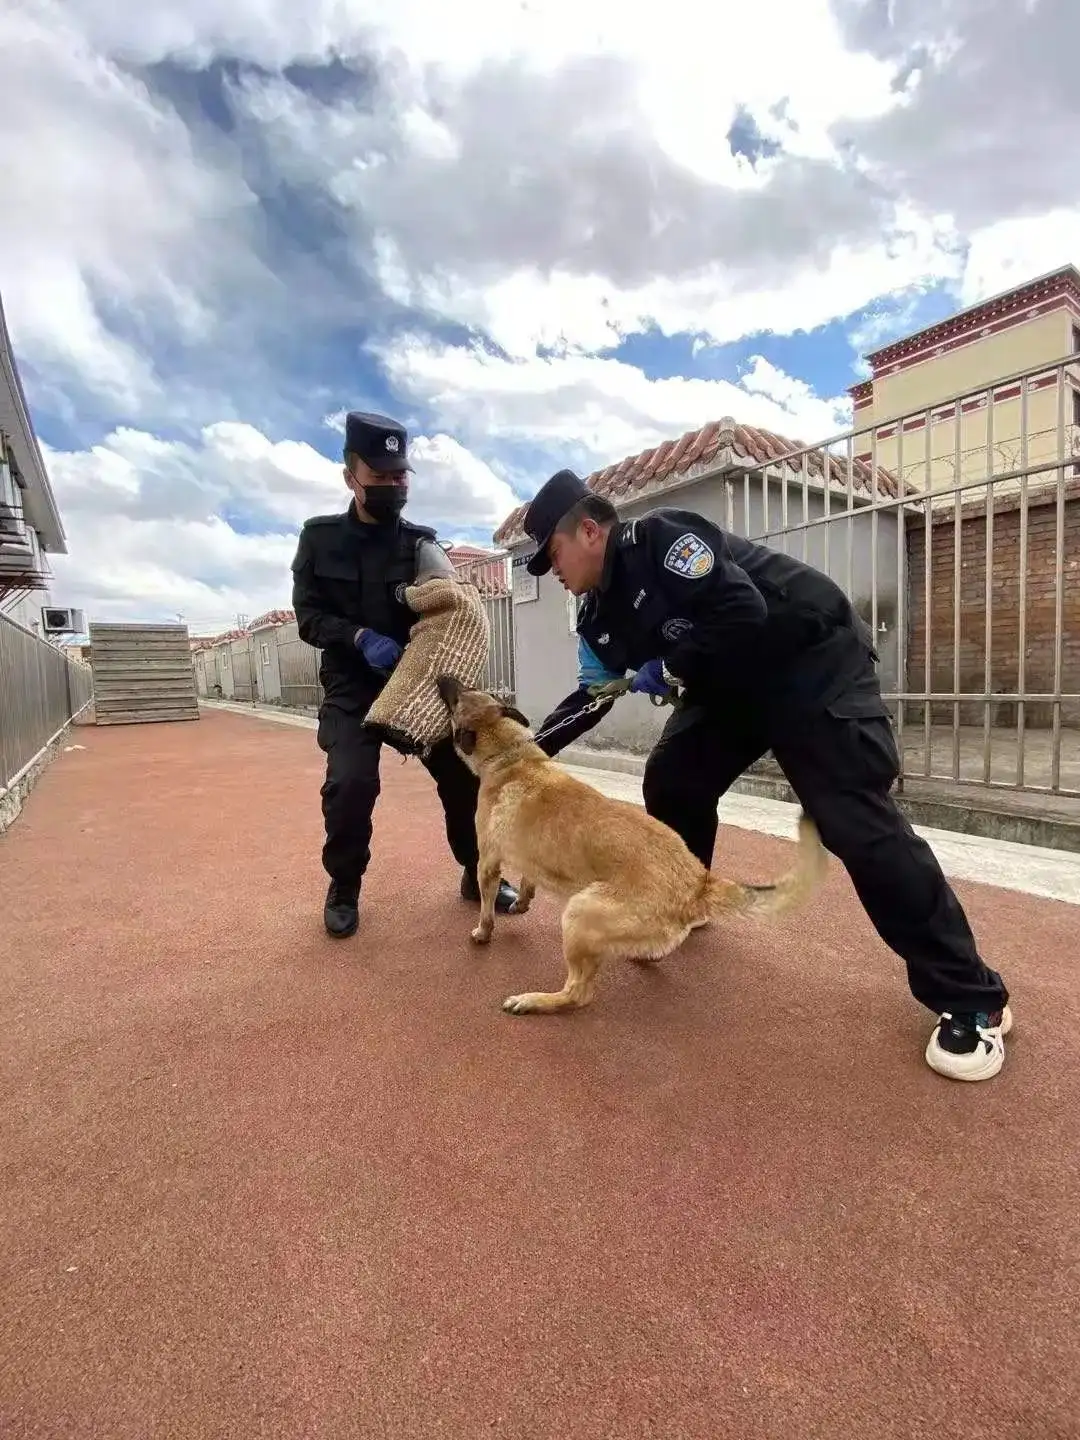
348, 575
730, 619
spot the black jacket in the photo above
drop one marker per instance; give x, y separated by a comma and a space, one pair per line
348, 576
742, 626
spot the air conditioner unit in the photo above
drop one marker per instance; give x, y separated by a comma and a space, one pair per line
62, 622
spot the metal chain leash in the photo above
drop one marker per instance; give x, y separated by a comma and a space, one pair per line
603, 695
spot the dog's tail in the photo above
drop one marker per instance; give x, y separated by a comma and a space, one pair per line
764, 901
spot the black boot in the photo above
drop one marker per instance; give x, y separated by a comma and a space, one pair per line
341, 913
470, 890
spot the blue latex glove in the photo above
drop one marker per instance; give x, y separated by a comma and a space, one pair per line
649, 680
379, 651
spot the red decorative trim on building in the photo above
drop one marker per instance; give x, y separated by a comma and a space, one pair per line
968, 407
1062, 283
1060, 291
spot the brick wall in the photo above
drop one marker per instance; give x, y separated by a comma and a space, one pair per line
1005, 606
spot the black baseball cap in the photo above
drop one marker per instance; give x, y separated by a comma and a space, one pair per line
379, 441
547, 507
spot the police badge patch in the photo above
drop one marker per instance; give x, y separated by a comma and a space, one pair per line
689, 557
675, 628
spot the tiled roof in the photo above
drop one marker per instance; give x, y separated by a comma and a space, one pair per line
272, 617
722, 444
460, 553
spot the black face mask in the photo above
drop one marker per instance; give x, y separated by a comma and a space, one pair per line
385, 502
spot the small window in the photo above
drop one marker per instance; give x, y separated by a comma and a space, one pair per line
1076, 407
264, 650
1075, 339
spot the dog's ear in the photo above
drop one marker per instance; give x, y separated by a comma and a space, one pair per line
449, 690
465, 740
512, 714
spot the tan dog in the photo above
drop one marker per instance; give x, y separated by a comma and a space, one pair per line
632, 888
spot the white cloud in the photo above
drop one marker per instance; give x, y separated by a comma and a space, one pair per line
595, 410
1012, 251
147, 537
553, 174
110, 212
529, 310
592, 227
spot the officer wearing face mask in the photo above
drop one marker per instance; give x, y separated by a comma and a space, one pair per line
349, 575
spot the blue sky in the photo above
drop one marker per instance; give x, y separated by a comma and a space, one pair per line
560, 238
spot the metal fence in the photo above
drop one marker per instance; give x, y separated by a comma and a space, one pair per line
491, 576
242, 665
298, 664
41, 690
955, 530
230, 669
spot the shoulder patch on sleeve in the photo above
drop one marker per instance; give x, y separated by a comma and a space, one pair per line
689, 557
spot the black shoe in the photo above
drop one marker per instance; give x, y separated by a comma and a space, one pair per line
470, 890
341, 913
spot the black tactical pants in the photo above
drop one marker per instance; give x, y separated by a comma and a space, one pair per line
352, 787
841, 764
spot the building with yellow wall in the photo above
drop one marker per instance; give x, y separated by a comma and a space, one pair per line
909, 404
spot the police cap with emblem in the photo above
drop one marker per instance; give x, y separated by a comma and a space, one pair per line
548, 506
379, 441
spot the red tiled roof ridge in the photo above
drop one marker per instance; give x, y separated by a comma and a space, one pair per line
651, 470
271, 617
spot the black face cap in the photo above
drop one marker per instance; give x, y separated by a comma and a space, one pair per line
379, 441
547, 507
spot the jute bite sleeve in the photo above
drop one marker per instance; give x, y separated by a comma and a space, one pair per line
450, 637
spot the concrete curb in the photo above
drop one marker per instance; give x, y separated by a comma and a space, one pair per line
14, 797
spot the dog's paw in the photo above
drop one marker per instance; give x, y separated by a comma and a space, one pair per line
523, 1004
481, 935
519, 907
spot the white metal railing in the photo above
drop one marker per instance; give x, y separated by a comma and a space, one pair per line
965, 559
491, 576
41, 690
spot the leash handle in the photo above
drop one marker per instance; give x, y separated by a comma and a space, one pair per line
614, 688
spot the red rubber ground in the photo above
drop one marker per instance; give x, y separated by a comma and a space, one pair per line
260, 1183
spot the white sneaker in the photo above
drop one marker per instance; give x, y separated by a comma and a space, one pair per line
969, 1047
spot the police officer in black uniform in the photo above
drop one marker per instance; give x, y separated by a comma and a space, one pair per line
764, 653
349, 575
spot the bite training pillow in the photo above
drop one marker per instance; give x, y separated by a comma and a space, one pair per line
450, 637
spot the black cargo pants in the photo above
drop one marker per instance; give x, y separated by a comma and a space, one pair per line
841, 763
352, 787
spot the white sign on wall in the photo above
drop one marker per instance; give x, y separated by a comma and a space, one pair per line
526, 587
573, 609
